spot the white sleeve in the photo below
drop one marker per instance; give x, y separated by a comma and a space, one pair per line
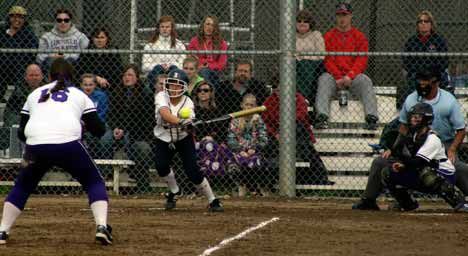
160, 100
430, 148
26, 107
88, 105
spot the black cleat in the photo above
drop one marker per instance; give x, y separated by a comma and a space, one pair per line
321, 122
371, 123
3, 237
366, 204
215, 206
171, 199
103, 234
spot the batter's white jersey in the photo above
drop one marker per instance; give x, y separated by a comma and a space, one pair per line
56, 120
433, 149
162, 130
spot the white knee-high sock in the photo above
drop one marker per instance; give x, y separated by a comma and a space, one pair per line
171, 182
206, 188
10, 214
99, 209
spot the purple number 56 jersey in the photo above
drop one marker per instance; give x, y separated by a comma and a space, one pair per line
56, 120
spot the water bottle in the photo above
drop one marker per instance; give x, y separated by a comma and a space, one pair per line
343, 98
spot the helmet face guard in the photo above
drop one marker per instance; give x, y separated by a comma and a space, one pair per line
178, 78
424, 112
175, 93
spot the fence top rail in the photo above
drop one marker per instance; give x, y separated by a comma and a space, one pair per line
222, 26
240, 52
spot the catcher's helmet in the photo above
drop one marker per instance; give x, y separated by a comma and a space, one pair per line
176, 77
426, 112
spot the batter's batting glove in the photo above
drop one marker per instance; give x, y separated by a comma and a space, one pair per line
185, 122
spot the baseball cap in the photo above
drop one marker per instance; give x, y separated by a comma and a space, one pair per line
17, 10
428, 74
344, 8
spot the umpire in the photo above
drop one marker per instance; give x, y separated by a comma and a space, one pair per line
448, 122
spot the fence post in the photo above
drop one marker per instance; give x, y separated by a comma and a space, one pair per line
287, 156
15, 144
133, 28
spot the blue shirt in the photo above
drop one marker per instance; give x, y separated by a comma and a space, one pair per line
447, 113
101, 102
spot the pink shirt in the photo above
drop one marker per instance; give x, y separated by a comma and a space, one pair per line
215, 61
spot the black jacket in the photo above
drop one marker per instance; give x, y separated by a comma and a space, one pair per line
132, 110
12, 65
218, 131
435, 43
106, 65
229, 100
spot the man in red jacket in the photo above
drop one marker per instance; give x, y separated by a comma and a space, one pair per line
345, 73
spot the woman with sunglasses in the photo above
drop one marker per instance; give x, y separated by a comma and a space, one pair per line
213, 153
308, 68
64, 36
426, 39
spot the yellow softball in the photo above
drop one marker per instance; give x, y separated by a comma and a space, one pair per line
185, 113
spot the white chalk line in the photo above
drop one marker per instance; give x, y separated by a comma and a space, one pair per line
238, 236
427, 214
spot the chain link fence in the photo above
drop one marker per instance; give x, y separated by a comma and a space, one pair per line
122, 52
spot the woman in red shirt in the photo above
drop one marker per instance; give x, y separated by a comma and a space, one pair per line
209, 38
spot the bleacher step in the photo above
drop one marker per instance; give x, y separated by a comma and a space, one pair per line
341, 183
345, 145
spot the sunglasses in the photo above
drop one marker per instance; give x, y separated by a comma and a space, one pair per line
62, 20
424, 21
302, 21
204, 90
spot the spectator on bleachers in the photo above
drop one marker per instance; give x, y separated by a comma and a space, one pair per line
100, 99
130, 103
160, 83
308, 68
164, 38
426, 39
105, 66
15, 34
247, 138
64, 36
230, 92
190, 67
459, 73
213, 154
317, 174
345, 73
209, 38
448, 123
33, 78
96, 146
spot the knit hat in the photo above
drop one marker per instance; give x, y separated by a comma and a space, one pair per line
19, 10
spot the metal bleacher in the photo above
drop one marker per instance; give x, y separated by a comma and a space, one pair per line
344, 147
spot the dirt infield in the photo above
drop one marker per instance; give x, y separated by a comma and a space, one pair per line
63, 226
